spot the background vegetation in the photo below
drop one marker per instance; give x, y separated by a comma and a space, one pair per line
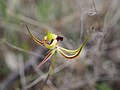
97, 68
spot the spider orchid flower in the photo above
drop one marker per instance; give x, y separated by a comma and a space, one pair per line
50, 41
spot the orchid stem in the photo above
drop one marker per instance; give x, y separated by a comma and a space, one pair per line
50, 70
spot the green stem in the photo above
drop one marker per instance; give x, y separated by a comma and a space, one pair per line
50, 70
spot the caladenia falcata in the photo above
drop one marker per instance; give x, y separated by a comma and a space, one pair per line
50, 41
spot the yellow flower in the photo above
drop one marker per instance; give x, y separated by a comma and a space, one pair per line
50, 42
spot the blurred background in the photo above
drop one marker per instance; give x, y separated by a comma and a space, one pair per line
97, 67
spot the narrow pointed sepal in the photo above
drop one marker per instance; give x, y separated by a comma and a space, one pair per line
47, 57
69, 56
34, 38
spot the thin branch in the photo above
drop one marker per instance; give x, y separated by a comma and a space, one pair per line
96, 12
20, 49
21, 72
56, 70
28, 67
39, 72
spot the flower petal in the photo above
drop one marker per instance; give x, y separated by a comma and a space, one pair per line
74, 52
46, 58
69, 56
34, 38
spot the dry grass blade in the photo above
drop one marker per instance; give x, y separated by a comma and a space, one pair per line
21, 72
